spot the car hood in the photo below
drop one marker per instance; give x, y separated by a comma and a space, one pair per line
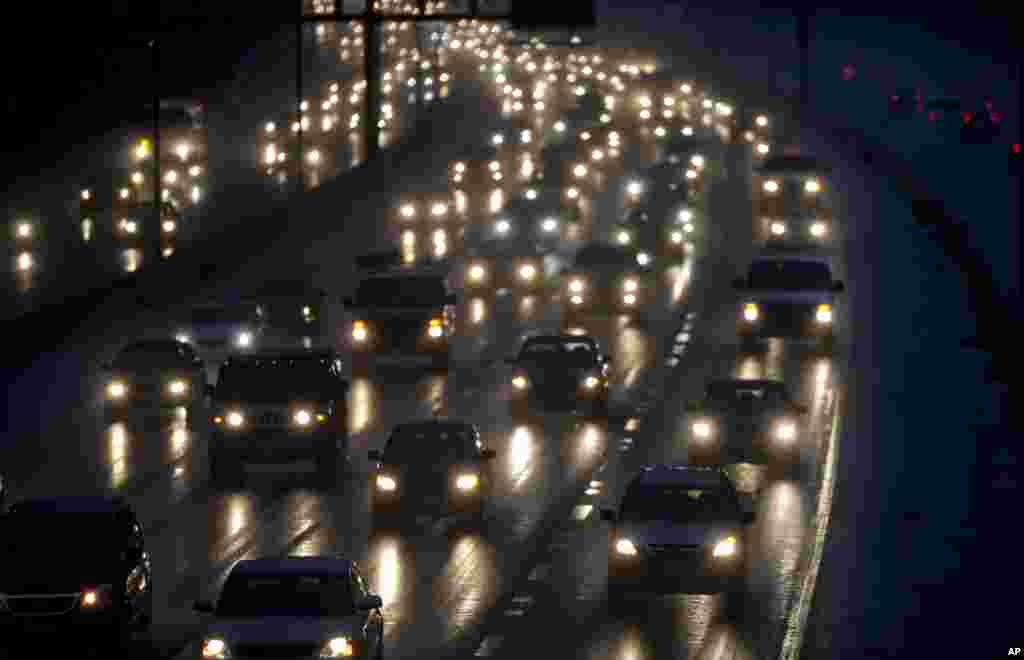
676, 533
51, 577
275, 629
217, 330
807, 297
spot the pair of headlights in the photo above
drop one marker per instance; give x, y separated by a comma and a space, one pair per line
302, 418
784, 430
811, 186
361, 332
822, 313
477, 273
817, 229
465, 482
118, 389
723, 549
215, 648
590, 382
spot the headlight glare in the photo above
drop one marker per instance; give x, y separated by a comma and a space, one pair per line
359, 331
215, 649
818, 229
302, 417
116, 389
590, 382
244, 339
727, 547
625, 547
751, 312
823, 314
386, 483
467, 481
177, 387
235, 419
702, 429
338, 647
771, 186
785, 430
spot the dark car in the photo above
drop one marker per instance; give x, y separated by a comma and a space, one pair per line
607, 279
562, 373
402, 316
434, 466
96, 593
753, 421
154, 372
790, 186
513, 265
293, 312
277, 408
679, 529
662, 230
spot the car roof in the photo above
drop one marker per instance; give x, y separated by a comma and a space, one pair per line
426, 425
293, 566
801, 258
325, 354
72, 504
679, 474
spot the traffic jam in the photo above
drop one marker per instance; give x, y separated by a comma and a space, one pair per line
606, 329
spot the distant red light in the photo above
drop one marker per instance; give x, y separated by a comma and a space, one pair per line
849, 72
988, 105
996, 117
1016, 147
932, 115
968, 116
895, 99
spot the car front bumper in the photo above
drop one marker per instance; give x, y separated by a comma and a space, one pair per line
677, 574
274, 446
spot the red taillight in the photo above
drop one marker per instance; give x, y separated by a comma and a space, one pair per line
894, 99
1015, 148
932, 115
996, 117
968, 116
988, 105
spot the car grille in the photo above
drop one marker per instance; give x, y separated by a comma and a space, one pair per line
788, 316
401, 334
673, 550
212, 343
41, 605
272, 418
293, 650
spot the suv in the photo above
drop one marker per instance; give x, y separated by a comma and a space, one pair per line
99, 594
292, 311
679, 529
279, 407
402, 316
788, 296
560, 372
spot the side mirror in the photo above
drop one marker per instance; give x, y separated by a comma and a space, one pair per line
838, 287
370, 602
451, 299
749, 517
375, 455
203, 606
608, 515
488, 454
739, 283
693, 406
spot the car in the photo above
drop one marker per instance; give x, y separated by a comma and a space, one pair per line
542, 213
561, 373
455, 479
515, 266
789, 296
97, 591
293, 607
791, 188
564, 166
607, 279
402, 316
153, 372
661, 230
745, 421
279, 407
292, 312
220, 329
678, 529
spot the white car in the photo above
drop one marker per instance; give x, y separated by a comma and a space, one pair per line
295, 607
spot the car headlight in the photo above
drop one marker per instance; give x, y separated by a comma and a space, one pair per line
520, 382
676, 237
549, 225
770, 186
629, 299
477, 273
182, 338
778, 228
359, 331
702, 429
751, 312
95, 597
684, 215
215, 649
386, 483
818, 229
811, 186
560, 126
576, 286
590, 382
823, 314
634, 188
579, 171
643, 259
688, 228
727, 547
435, 329
338, 647
625, 547
244, 339
235, 419
630, 285
502, 227
467, 481
527, 272
177, 387
785, 430
763, 149
116, 389
302, 417
576, 299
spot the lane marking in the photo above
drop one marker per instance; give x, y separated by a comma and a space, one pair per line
796, 623
582, 511
515, 612
523, 601
490, 644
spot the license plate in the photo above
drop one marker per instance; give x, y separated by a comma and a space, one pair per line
39, 627
676, 567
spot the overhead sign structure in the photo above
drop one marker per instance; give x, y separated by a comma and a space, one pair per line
520, 14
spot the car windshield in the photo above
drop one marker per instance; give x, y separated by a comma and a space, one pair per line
566, 352
677, 504
789, 275
286, 595
732, 393
444, 444
219, 315
401, 291
149, 353
286, 288
606, 256
44, 536
292, 379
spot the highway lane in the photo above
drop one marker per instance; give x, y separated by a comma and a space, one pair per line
196, 534
565, 589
